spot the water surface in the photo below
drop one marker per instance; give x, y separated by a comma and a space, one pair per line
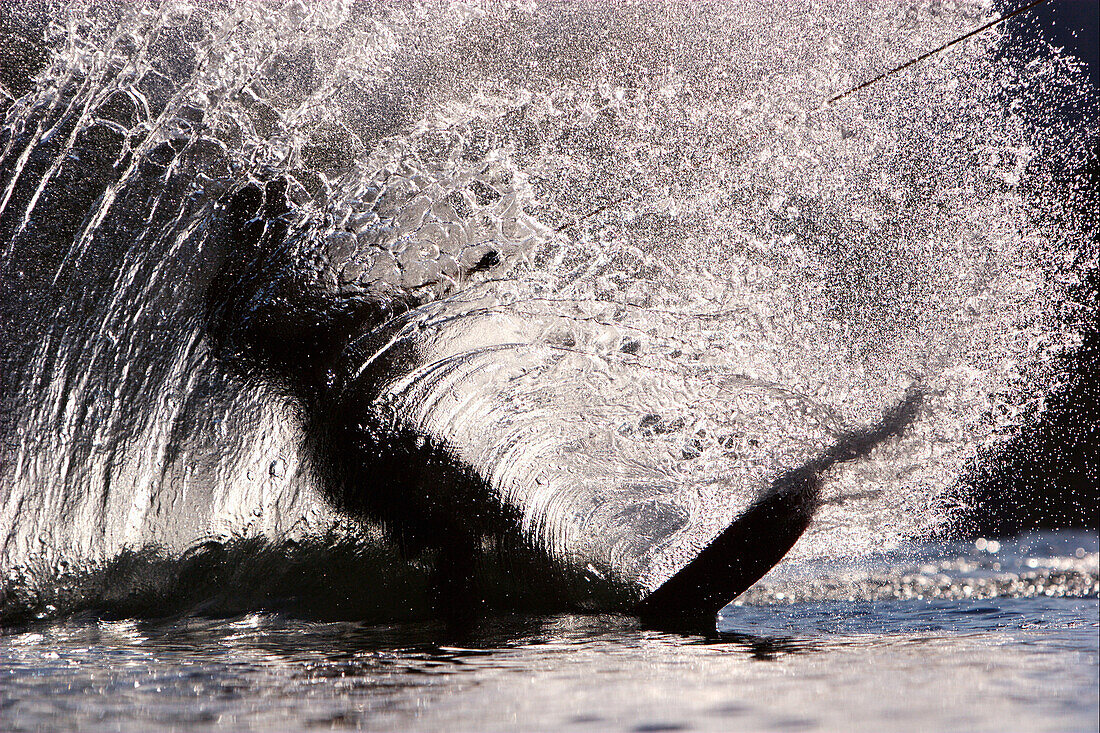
919, 649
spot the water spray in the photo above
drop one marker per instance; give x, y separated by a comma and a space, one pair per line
935, 51
863, 85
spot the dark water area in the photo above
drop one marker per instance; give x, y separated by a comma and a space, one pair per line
947, 637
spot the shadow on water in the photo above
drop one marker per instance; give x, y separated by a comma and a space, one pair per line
766, 648
765, 632
435, 647
418, 646
429, 647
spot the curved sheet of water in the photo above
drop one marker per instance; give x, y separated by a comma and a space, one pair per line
768, 277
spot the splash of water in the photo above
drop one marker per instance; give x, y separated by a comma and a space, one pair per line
767, 274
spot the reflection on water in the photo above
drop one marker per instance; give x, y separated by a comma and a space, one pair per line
1023, 661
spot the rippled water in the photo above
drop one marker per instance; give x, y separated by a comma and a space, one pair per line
851, 652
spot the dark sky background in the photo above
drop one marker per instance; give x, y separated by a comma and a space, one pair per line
1071, 24
1049, 476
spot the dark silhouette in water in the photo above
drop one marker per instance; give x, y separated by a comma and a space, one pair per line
764, 533
273, 317
123, 281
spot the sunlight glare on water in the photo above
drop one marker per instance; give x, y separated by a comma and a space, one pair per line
1023, 659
